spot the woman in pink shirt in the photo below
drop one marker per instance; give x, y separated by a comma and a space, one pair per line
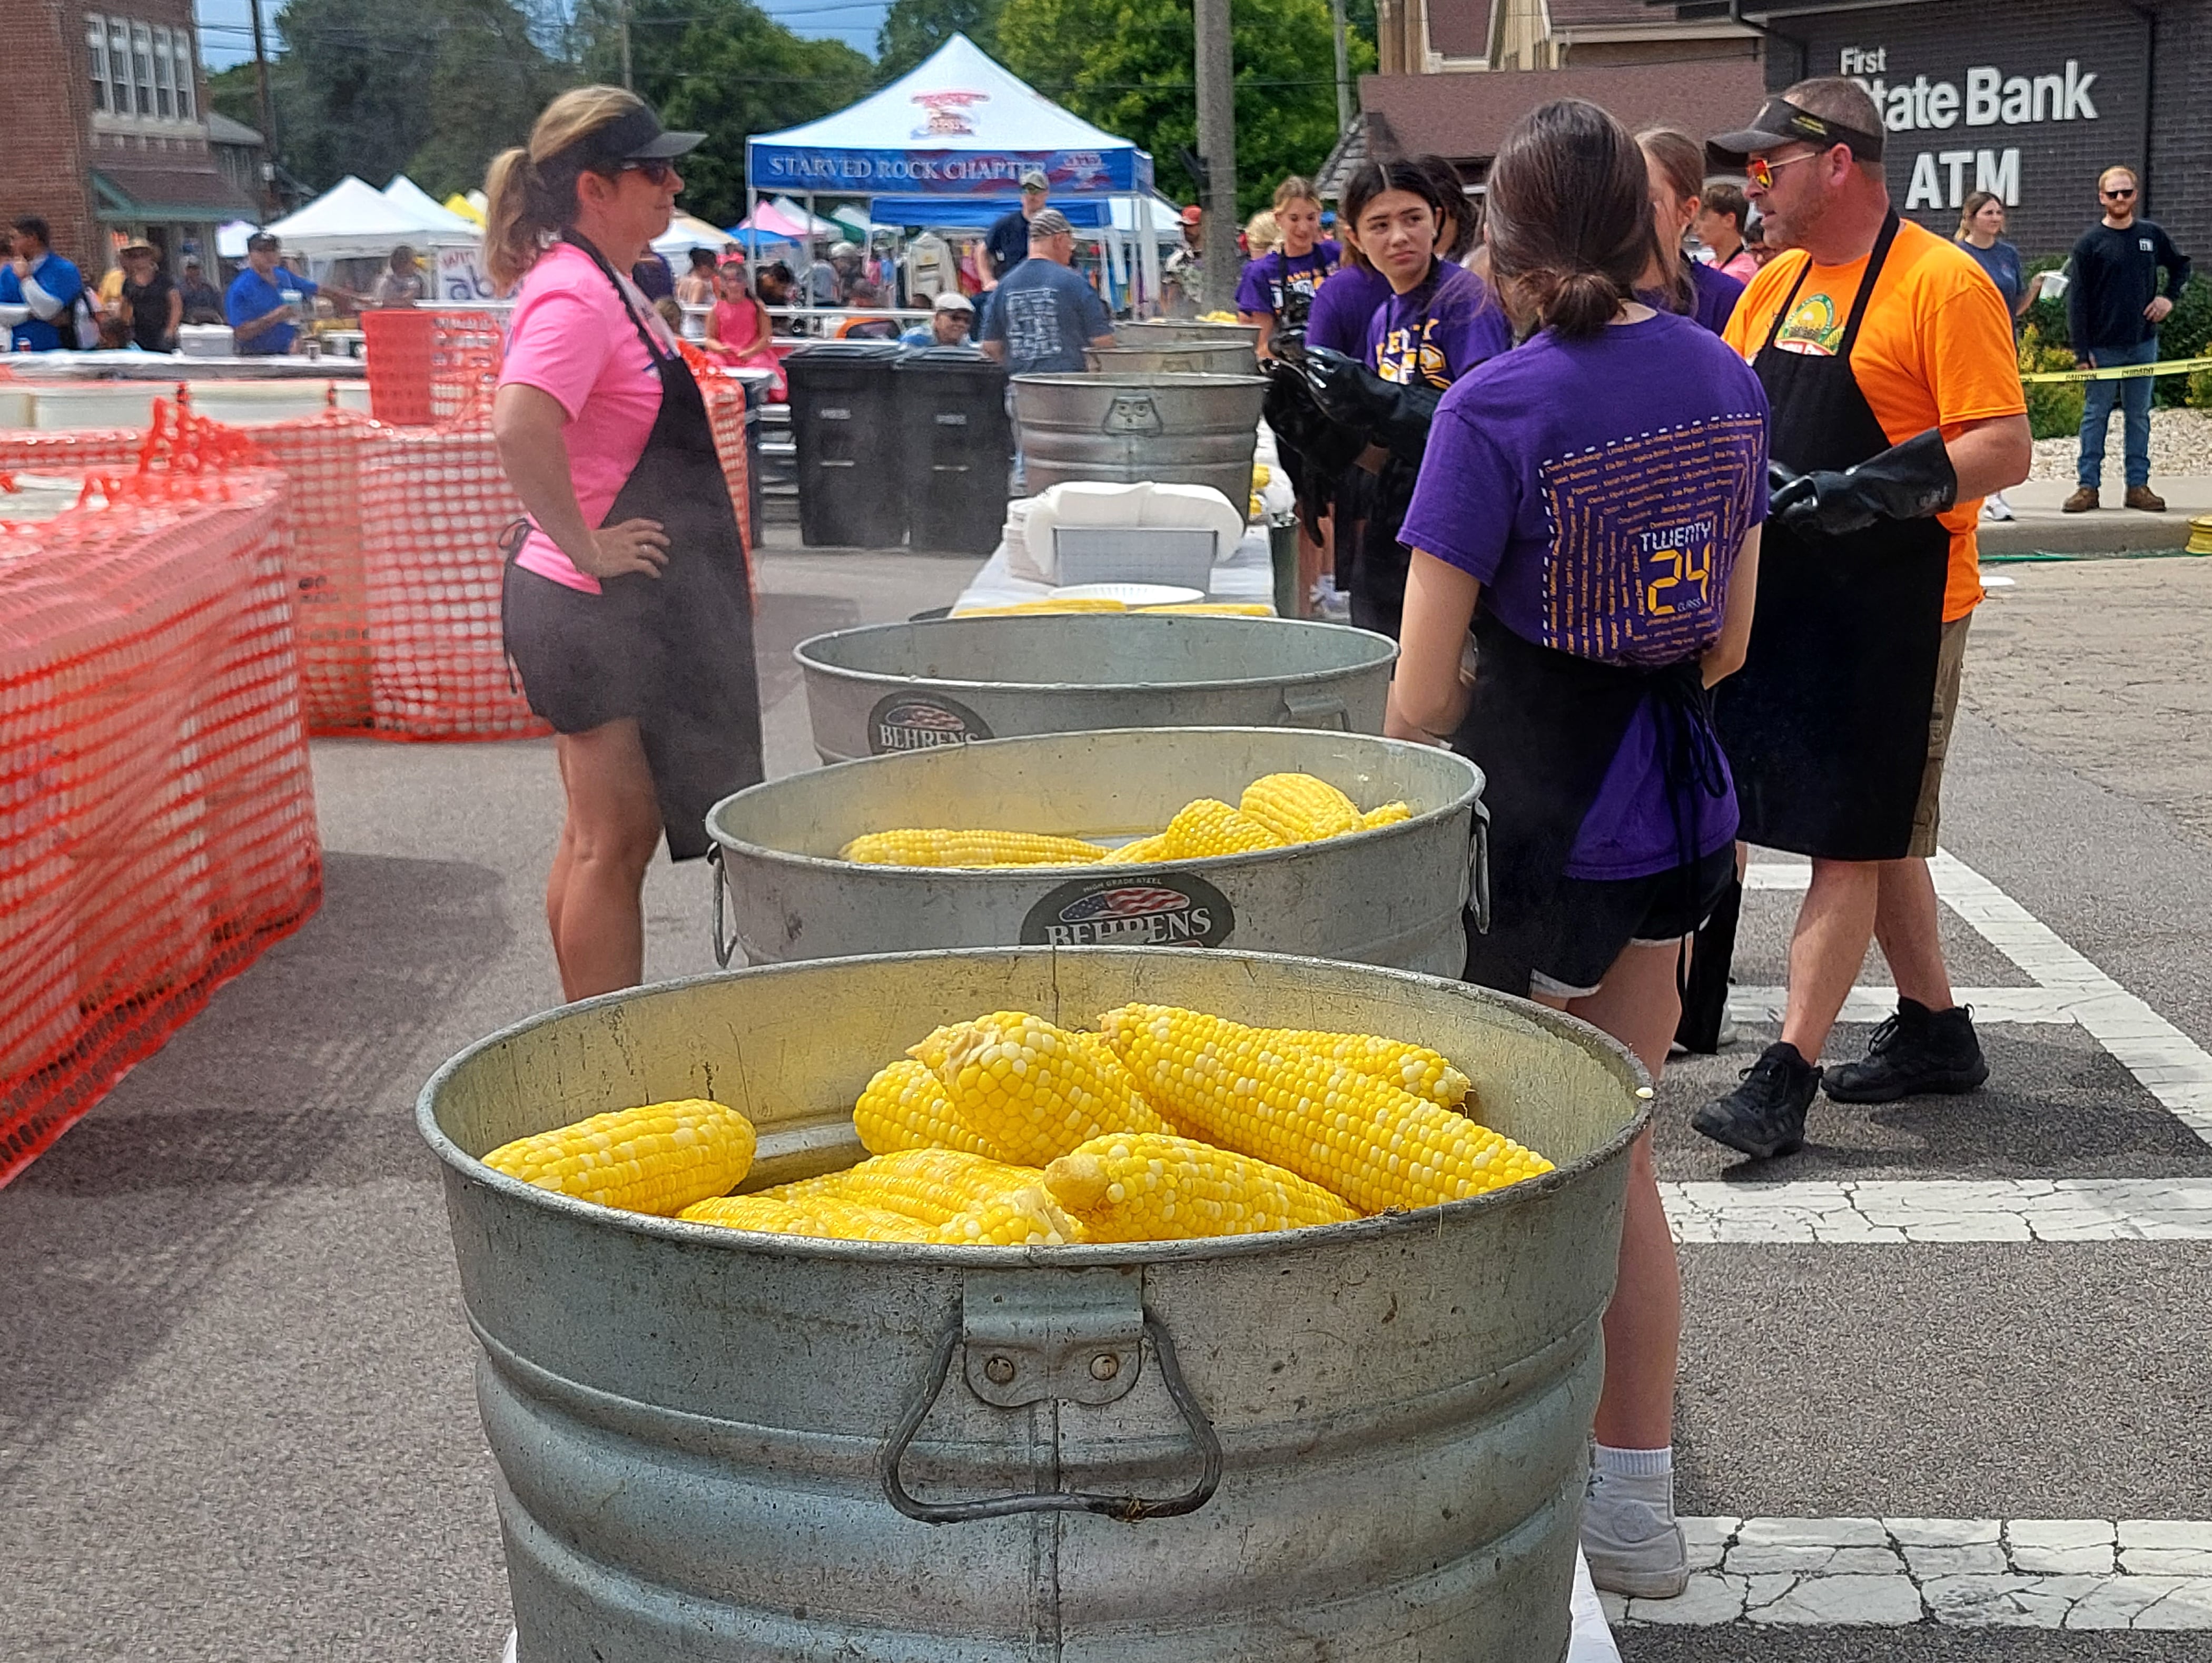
627, 609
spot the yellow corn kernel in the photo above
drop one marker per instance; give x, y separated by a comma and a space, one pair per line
932, 1049
1298, 808
658, 1159
1034, 1090
1373, 1144
931, 1186
939, 846
1141, 850
1210, 826
1411, 1068
1216, 609
776, 1213
1389, 815
1150, 1187
904, 1107
1047, 607
1026, 1218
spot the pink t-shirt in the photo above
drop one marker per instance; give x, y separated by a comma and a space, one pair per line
571, 339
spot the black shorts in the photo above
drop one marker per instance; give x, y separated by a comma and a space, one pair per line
1597, 918
583, 658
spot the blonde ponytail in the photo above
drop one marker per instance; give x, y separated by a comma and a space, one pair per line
532, 192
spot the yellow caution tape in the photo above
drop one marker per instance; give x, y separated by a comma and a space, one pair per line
2125, 373
2200, 536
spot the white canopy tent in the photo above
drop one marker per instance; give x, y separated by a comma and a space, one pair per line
352, 220
405, 194
686, 232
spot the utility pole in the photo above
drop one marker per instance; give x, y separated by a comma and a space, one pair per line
267, 115
1217, 144
1343, 69
623, 28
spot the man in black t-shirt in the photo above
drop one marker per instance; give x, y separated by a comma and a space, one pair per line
157, 305
2113, 310
202, 300
1008, 244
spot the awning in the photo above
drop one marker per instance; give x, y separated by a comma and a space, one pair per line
189, 195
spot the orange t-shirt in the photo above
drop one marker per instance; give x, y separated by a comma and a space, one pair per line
1936, 349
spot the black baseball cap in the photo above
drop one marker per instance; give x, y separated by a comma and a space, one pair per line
1780, 122
636, 136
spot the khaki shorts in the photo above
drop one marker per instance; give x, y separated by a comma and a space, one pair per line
1950, 661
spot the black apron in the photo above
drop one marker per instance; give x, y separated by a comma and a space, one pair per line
694, 623
1827, 724
1380, 561
1544, 726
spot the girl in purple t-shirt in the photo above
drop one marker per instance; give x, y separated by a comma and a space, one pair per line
1597, 493
1278, 288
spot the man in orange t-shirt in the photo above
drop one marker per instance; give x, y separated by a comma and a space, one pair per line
1895, 407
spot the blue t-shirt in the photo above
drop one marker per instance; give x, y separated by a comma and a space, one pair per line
1270, 281
2002, 261
1343, 308
60, 279
1600, 490
1046, 314
1439, 329
252, 295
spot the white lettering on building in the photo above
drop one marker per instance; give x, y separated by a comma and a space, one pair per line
1991, 97
1939, 177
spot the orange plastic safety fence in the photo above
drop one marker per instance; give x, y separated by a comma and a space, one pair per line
157, 824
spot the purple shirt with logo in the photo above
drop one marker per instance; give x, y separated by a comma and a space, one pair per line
1343, 308
1600, 490
1274, 277
1436, 331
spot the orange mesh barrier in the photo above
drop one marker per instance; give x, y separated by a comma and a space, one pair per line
28, 450
157, 822
435, 504
426, 365
322, 456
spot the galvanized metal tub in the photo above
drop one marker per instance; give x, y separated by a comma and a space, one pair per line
914, 686
1364, 1442
1180, 430
1174, 358
1393, 896
1145, 331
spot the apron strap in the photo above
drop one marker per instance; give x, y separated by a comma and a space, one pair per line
1874, 263
577, 239
1774, 324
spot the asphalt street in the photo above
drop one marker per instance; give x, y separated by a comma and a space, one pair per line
237, 1418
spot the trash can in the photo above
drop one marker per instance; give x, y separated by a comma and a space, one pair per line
959, 447
844, 420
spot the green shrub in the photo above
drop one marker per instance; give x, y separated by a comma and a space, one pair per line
2200, 389
2183, 334
2054, 408
2048, 318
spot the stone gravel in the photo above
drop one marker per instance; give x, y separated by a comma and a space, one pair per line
2180, 442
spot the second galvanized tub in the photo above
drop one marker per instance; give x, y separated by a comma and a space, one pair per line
1363, 1443
890, 687
1393, 896
1178, 429
1175, 359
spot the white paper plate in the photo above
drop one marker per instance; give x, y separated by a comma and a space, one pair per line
1130, 595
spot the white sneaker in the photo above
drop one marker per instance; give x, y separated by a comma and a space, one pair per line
1994, 506
1634, 1546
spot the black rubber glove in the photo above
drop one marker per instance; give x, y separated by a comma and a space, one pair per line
1353, 396
1299, 422
1908, 481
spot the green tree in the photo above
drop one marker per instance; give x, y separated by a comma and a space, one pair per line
913, 29
1127, 65
726, 69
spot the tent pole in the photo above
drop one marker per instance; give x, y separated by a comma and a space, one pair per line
810, 248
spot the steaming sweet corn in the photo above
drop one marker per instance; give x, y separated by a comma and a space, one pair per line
658, 1158
904, 1107
1375, 1145
1210, 826
1411, 1068
1298, 808
1389, 815
939, 846
1152, 1187
1034, 1090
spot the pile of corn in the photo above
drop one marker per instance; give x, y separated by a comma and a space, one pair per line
1275, 810
1166, 1125
1052, 606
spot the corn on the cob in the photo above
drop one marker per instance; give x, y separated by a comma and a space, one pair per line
1411, 1068
931, 1186
1150, 1187
658, 1158
904, 1107
1046, 607
943, 846
1029, 1218
1389, 815
1210, 826
1034, 1090
1216, 609
810, 1215
932, 1049
1141, 850
1376, 1146
1298, 808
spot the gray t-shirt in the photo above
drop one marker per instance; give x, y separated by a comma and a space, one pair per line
1045, 314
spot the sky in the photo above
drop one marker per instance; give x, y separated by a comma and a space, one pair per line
225, 25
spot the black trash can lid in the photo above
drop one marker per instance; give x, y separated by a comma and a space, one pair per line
849, 351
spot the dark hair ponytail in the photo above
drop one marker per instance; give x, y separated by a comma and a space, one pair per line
1413, 174
1571, 222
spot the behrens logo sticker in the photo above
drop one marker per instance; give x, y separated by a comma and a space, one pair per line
916, 722
1170, 909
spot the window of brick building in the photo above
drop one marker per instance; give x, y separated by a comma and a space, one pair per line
96, 40
187, 74
119, 65
142, 65
165, 76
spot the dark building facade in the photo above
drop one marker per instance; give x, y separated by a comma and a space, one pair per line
2030, 99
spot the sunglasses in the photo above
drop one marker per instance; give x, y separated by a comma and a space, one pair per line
1760, 172
657, 172
2119, 195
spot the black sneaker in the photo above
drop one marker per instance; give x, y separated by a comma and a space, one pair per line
1918, 1050
1764, 1116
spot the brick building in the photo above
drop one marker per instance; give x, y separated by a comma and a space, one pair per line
1446, 37
107, 133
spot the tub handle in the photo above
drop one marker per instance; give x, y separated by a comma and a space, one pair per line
1477, 869
991, 1370
726, 943
1316, 708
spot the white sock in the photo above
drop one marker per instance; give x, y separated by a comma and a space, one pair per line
1635, 1463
